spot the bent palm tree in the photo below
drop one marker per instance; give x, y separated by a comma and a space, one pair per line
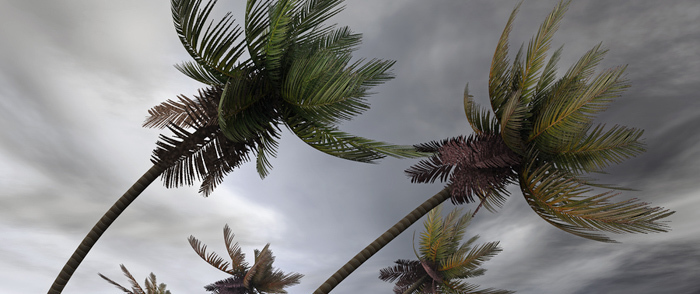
541, 136
298, 74
152, 286
261, 277
443, 262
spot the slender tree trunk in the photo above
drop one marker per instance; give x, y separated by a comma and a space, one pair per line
102, 225
384, 239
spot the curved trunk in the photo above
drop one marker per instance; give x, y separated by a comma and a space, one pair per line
384, 239
102, 225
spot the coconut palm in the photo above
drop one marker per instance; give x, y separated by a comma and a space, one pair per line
152, 286
540, 135
443, 262
261, 277
297, 74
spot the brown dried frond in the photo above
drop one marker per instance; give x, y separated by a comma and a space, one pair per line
479, 165
181, 113
211, 258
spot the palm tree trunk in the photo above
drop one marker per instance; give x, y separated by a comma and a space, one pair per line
384, 239
102, 225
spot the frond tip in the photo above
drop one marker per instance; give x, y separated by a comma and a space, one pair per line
560, 200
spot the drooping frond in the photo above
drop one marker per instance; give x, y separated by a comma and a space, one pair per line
480, 120
205, 153
480, 165
333, 142
404, 269
212, 258
562, 202
215, 52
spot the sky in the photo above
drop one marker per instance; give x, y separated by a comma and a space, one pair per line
77, 78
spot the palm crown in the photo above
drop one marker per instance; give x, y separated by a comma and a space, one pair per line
261, 277
298, 74
540, 133
443, 262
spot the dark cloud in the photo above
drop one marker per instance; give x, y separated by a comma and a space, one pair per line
77, 77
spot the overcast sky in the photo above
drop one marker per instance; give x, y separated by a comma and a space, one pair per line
77, 78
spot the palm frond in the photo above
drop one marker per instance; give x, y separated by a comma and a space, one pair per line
404, 269
432, 239
257, 27
311, 15
187, 112
323, 87
215, 51
561, 201
333, 142
238, 264
512, 122
548, 77
278, 38
152, 286
231, 285
263, 259
499, 75
599, 149
244, 112
480, 120
212, 258
537, 49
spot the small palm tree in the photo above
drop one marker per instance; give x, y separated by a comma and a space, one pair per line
152, 286
298, 74
261, 277
540, 134
443, 263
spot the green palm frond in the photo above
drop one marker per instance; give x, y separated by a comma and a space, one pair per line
499, 75
599, 149
333, 142
214, 52
324, 88
256, 30
278, 38
311, 15
562, 202
480, 120
537, 49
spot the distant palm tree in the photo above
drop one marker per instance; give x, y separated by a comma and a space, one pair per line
261, 277
152, 286
541, 136
298, 74
443, 262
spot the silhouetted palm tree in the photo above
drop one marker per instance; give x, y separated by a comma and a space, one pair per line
443, 262
261, 277
152, 286
540, 134
298, 74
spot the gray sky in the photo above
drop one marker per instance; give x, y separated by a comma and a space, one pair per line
77, 78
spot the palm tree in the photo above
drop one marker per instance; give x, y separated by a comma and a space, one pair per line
298, 74
152, 286
261, 277
540, 134
443, 262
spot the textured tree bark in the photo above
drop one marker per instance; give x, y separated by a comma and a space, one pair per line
102, 225
384, 239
